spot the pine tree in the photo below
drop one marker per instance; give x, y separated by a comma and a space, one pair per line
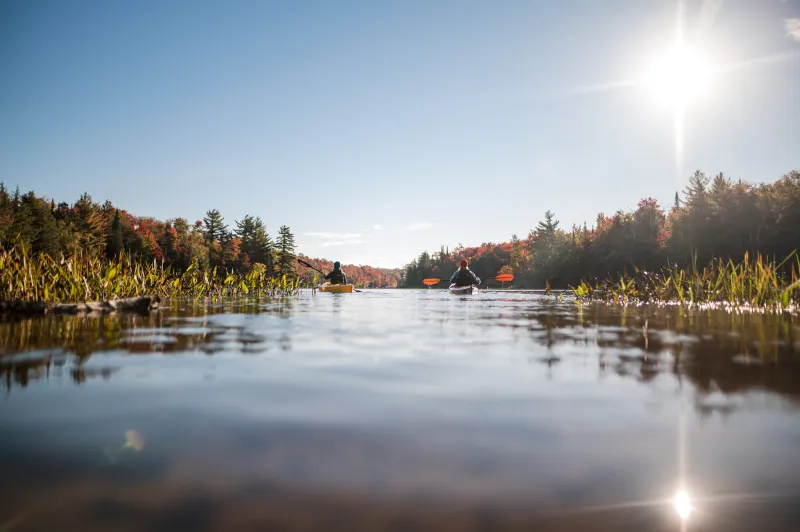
22, 228
549, 225
245, 228
215, 228
245, 231
697, 191
286, 257
114, 238
263, 246
6, 214
90, 225
677, 204
45, 238
544, 246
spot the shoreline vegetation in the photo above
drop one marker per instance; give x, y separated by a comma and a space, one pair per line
724, 243
89, 231
757, 284
80, 277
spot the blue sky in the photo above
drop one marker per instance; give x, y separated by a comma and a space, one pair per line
376, 130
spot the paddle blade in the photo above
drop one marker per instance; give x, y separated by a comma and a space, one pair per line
505, 277
430, 282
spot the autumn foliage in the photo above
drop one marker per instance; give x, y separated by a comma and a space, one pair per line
43, 226
715, 219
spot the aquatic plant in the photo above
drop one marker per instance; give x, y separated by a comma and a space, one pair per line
83, 277
758, 283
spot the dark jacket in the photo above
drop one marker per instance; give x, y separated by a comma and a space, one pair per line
465, 277
337, 276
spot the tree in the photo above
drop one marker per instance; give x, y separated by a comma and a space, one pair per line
548, 226
262, 247
215, 228
89, 225
181, 226
45, 229
114, 237
168, 242
6, 214
546, 241
22, 229
245, 228
286, 257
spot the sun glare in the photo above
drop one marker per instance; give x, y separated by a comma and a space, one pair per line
683, 504
679, 77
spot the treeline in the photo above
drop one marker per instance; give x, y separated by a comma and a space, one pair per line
360, 276
713, 218
104, 230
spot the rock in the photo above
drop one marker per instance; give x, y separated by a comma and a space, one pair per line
23, 309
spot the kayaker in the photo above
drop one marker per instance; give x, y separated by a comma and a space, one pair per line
336, 276
464, 276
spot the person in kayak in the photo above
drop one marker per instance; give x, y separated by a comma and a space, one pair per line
464, 276
336, 276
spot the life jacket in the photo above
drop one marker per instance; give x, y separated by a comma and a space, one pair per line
337, 277
464, 277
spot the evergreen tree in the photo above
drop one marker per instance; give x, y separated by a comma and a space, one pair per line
45, 229
245, 231
6, 214
286, 258
677, 204
245, 228
215, 228
548, 226
89, 225
114, 237
22, 228
262, 246
545, 246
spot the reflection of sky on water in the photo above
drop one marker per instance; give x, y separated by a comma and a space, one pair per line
400, 408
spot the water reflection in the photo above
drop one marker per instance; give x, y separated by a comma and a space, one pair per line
718, 352
683, 505
401, 411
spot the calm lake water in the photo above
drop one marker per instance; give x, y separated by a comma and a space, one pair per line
401, 410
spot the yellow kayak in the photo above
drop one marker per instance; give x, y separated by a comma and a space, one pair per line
336, 288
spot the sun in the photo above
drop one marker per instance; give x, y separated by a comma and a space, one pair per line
679, 77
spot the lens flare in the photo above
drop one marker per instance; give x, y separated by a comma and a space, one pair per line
683, 504
133, 440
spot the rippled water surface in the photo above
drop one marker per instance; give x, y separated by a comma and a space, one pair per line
401, 410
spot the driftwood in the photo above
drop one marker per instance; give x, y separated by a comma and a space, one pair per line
33, 308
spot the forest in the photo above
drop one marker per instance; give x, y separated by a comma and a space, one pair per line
104, 230
714, 218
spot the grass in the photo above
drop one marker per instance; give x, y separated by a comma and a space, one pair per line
80, 277
755, 284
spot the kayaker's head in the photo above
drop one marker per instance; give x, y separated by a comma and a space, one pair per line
336, 265
464, 263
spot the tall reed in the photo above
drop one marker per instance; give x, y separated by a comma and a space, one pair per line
758, 283
81, 277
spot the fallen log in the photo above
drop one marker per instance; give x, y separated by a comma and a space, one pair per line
33, 308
